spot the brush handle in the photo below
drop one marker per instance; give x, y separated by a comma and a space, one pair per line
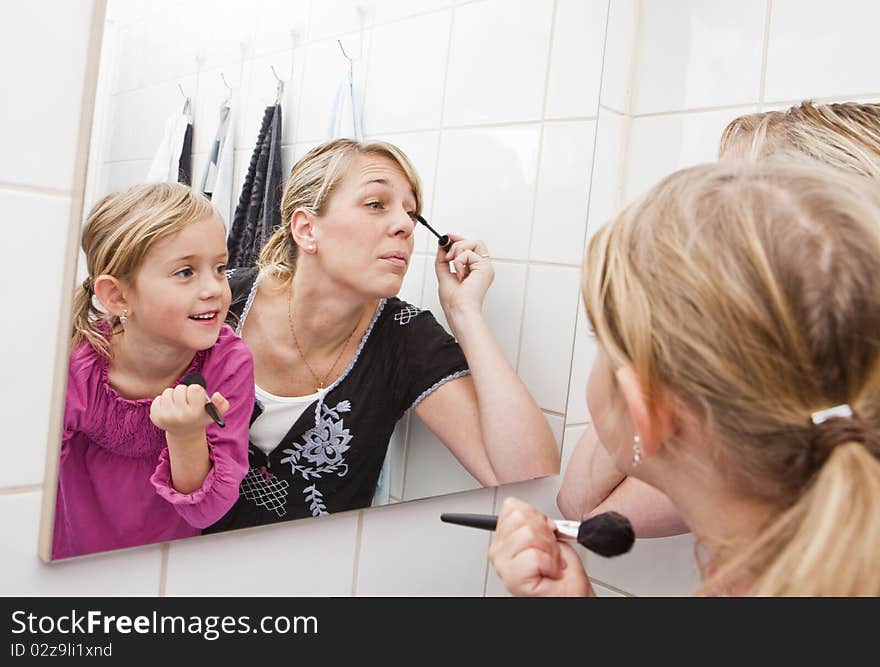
484, 521
444, 242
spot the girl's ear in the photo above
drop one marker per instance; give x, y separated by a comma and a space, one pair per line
653, 419
111, 293
302, 228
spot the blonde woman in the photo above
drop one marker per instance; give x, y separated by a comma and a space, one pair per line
339, 359
845, 136
739, 373
141, 460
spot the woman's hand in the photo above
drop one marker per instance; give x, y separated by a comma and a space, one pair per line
463, 291
180, 411
529, 559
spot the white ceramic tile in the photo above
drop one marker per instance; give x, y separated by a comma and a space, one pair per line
171, 45
654, 567
36, 237
431, 470
486, 186
585, 347
620, 54
569, 442
405, 92
334, 17
46, 51
122, 175
128, 572
576, 58
498, 62
501, 307
604, 592
421, 149
392, 10
325, 68
818, 49
140, 116
397, 452
609, 168
225, 31
242, 159
548, 333
411, 289
281, 25
407, 550
660, 145
563, 192
698, 53
131, 58
225, 563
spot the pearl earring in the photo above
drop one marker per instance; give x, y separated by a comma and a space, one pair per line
312, 247
124, 317
637, 451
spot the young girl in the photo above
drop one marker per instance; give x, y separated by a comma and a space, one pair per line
736, 311
141, 459
843, 135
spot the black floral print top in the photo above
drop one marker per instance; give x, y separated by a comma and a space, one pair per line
330, 458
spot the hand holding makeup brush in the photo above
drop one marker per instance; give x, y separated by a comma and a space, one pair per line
464, 289
530, 560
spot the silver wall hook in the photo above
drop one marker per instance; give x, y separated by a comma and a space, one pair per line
279, 88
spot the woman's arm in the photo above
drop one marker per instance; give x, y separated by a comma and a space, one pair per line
592, 485
489, 420
589, 478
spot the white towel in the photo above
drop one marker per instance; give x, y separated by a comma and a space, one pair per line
217, 181
166, 163
345, 117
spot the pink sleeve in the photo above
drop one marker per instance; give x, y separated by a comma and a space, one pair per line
229, 369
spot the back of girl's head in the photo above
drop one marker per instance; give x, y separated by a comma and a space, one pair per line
746, 293
120, 230
311, 183
843, 135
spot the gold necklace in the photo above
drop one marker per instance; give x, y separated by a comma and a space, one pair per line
319, 382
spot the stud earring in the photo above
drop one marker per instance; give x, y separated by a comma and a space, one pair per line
124, 317
312, 247
637, 451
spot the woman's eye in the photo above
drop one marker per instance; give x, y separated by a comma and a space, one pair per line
375, 205
221, 268
184, 273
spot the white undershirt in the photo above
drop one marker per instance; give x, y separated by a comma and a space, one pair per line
279, 414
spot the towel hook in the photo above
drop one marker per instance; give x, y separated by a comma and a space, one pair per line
279, 88
186, 100
223, 78
347, 57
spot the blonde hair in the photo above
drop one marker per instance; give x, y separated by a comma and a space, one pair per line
843, 135
118, 233
746, 292
311, 183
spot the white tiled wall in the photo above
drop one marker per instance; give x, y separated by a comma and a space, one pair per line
496, 103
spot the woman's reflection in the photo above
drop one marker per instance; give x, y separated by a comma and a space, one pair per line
338, 359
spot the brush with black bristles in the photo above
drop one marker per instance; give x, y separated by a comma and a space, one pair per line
607, 534
443, 240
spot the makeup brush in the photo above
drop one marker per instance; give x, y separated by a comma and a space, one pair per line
210, 408
607, 534
443, 241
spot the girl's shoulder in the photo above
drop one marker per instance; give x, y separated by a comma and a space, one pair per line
86, 363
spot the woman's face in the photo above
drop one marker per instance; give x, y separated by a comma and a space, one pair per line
364, 238
608, 413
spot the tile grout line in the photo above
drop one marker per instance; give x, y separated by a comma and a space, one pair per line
357, 553
15, 490
163, 569
486, 572
586, 232
768, 14
535, 190
35, 189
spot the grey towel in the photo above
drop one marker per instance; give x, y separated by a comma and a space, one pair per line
258, 212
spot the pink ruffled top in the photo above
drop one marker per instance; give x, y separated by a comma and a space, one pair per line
114, 481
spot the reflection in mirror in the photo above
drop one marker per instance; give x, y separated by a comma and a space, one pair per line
345, 361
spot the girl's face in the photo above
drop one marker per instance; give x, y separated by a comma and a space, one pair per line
610, 419
180, 294
364, 238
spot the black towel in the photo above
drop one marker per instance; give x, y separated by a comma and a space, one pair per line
184, 165
258, 212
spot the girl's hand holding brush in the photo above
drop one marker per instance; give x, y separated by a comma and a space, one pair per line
530, 560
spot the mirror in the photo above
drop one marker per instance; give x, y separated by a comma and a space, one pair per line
493, 102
